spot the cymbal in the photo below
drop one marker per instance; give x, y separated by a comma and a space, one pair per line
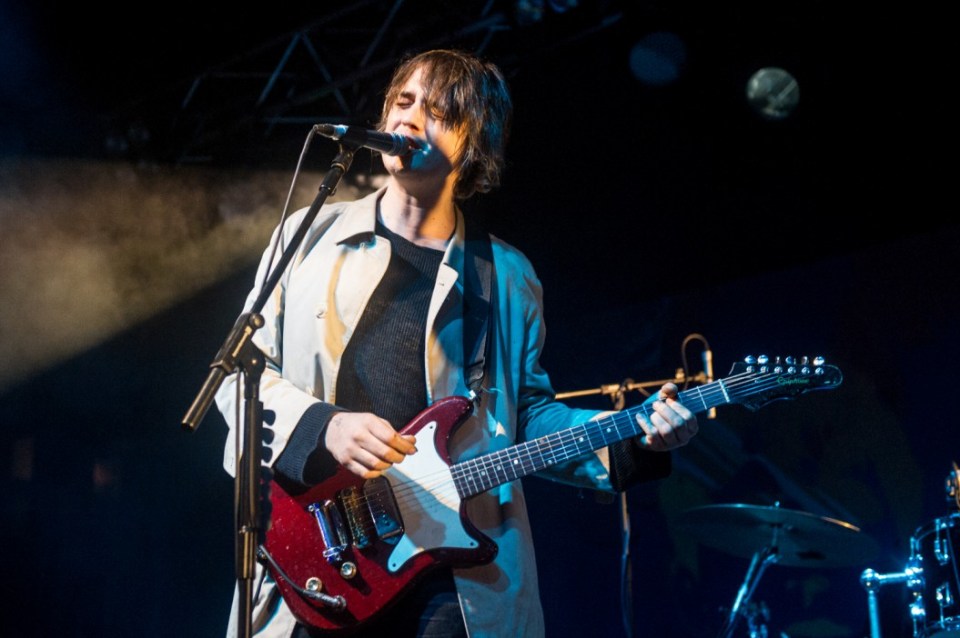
799, 539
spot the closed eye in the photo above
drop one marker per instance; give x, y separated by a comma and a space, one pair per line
405, 100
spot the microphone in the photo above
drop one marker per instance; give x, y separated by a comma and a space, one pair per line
386, 143
708, 373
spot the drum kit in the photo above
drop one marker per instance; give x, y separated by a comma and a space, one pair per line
770, 535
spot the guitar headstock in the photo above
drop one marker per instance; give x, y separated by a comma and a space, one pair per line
756, 381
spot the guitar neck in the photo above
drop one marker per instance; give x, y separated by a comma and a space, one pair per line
490, 470
754, 384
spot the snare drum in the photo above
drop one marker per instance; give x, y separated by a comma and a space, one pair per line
935, 608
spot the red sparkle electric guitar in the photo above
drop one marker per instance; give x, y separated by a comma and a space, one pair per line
347, 549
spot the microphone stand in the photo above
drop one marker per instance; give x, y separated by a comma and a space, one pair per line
239, 353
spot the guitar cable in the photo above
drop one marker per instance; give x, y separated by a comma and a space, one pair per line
337, 603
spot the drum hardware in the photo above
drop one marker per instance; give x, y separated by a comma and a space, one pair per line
755, 612
742, 604
872, 582
935, 608
773, 535
931, 575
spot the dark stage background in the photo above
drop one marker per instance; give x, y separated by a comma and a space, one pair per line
653, 209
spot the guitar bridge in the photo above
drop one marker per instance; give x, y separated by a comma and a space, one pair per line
332, 530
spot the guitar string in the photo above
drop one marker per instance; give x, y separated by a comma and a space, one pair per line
444, 482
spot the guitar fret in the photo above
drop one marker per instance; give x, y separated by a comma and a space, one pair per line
520, 461
607, 432
476, 489
495, 468
553, 445
703, 401
482, 477
574, 436
490, 473
460, 479
516, 463
547, 449
499, 467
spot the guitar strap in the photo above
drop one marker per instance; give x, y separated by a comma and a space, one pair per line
478, 284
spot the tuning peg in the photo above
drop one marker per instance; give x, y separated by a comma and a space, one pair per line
777, 365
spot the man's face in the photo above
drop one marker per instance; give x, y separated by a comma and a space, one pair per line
410, 115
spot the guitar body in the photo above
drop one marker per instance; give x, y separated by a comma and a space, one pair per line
382, 535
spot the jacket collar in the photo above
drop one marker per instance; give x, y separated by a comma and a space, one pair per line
359, 221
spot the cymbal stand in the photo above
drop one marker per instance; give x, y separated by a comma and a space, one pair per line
758, 564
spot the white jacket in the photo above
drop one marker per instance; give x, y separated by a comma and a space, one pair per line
309, 319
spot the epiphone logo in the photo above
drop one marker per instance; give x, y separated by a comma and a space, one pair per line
794, 381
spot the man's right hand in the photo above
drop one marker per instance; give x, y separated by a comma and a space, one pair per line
365, 444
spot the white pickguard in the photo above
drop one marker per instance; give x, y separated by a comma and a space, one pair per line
428, 502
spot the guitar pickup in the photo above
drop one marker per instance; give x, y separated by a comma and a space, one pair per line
371, 514
383, 508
